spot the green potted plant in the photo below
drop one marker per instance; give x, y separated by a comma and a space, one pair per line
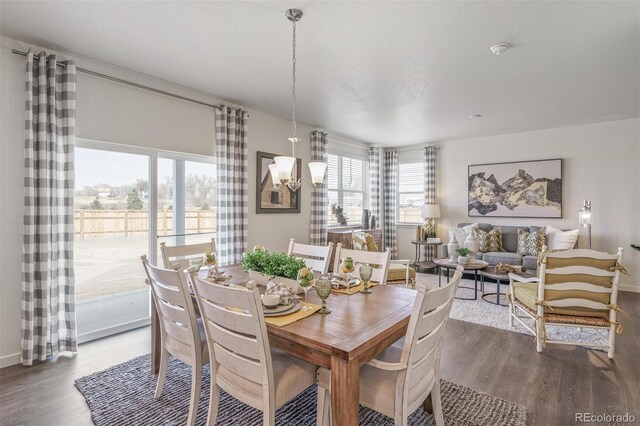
463, 256
264, 266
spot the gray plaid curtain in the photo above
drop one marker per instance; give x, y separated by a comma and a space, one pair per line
48, 294
319, 196
232, 169
430, 186
390, 200
374, 181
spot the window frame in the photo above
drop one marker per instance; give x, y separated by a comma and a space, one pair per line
398, 192
341, 191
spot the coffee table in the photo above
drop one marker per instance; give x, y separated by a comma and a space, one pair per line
490, 272
474, 266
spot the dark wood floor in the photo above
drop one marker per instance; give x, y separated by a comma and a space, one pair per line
553, 386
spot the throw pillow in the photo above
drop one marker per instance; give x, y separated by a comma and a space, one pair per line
557, 239
489, 241
359, 240
371, 243
530, 243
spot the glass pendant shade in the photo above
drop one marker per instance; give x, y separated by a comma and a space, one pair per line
275, 176
285, 166
317, 172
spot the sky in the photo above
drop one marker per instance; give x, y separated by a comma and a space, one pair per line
116, 168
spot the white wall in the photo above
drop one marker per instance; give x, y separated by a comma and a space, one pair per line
112, 112
600, 162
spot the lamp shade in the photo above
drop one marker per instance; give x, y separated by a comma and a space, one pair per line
431, 211
317, 172
285, 166
275, 176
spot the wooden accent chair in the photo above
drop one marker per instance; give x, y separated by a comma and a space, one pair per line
400, 379
379, 261
400, 271
177, 257
182, 335
243, 364
317, 258
575, 288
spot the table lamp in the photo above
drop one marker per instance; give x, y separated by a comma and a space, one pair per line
430, 212
584, 217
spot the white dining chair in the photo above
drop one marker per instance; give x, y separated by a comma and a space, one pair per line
400, 379
174, 257
182, 334
315, 257
242, 361
379, 260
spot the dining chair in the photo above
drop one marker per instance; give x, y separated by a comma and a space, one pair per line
181, 333
243, 363
179, 256
315, 257
379, 261
400, 379
400, 270
574, 288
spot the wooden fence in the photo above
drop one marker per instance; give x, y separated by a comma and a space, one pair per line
125, 223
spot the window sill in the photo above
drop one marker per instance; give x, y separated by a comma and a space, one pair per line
407, 225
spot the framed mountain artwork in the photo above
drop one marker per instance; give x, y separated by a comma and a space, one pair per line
519, 189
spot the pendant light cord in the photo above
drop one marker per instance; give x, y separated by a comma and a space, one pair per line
293, 86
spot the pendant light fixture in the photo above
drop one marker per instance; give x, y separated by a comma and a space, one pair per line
283, 172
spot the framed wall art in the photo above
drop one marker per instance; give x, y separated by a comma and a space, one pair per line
269, 199
519, 189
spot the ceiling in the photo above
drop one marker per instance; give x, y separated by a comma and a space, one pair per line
390, 73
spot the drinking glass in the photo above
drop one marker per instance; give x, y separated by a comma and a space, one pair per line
365, 275
305, 283
323, 288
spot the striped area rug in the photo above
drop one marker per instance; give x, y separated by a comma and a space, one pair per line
123, 395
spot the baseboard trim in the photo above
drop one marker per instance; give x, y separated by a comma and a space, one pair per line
629, 288
9, 360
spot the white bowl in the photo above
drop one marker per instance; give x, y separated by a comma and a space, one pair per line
270, 300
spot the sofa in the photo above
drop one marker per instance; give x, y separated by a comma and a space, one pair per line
509, 243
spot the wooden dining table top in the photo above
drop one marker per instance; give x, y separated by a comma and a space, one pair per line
354, 328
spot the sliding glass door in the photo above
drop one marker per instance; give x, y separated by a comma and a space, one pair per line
127, 201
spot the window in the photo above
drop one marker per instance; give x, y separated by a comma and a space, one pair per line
347, 187
410, 192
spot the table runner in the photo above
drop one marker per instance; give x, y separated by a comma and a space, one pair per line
282, 320
353, 289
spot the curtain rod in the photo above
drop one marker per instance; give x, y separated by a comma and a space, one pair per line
130, 83
347, 142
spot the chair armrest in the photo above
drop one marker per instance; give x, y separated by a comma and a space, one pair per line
401, 262
388, 366
518, 278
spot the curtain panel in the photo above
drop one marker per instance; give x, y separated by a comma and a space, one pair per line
430, 175
319, 196
232, 168
390, 200
48, 293
374, 181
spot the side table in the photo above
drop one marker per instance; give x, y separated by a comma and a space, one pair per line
428, 263
474, 266
499, 277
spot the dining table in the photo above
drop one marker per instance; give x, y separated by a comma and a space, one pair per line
359, 327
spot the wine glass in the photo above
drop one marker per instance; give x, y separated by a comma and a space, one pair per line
365, 275
305, 276
323, 288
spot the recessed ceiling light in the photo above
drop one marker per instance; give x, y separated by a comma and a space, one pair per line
475, 116
499, 48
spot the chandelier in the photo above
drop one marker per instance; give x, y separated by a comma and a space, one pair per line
283, 171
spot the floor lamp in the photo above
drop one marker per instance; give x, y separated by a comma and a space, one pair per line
584, 218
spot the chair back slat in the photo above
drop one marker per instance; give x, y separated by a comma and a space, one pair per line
431, 321
315, 257
374, 258
237, 338
580, 270
240, 344
179, 256
578, 286
577, 302
244, 367
174, 305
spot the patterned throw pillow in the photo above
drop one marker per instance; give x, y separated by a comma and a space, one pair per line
489, 241
530, 244
359, 240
